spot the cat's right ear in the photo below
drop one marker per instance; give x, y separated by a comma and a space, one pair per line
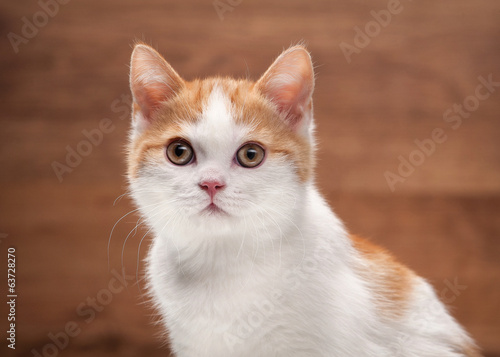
152, 81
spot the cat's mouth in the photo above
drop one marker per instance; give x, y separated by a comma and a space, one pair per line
213, 209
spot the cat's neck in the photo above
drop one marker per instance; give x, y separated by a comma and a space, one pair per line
279, 246
237, 253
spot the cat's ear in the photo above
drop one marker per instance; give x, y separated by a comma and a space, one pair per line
289, 84
152, 81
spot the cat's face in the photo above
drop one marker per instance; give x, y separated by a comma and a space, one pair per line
217, 156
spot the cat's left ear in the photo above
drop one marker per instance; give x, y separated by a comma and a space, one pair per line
152, 82
289, 84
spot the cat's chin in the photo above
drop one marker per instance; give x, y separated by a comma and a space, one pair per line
213, 210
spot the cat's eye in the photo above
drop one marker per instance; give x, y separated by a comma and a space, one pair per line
250, 155
180, 152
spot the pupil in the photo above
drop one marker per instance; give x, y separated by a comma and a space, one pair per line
251, 153
179, 150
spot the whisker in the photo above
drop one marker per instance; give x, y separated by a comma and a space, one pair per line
114, 226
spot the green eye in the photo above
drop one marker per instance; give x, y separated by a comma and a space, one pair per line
250, 155
180, 152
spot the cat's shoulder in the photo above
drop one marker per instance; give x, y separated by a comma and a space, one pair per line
402, 294
390, 279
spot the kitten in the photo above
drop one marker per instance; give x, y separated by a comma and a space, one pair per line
248, 259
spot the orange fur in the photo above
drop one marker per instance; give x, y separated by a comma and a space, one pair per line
250, 108
392, 281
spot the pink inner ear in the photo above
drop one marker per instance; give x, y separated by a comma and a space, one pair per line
291, 97
289, 83
152, 80
149, 97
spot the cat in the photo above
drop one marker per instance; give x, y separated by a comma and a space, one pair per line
247, 258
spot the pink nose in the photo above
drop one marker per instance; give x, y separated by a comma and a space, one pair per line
212, 187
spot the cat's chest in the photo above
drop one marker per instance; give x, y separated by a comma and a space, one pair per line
223, 314
222, 304
231, 316
230, 320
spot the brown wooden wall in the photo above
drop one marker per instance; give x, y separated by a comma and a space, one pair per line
443, 220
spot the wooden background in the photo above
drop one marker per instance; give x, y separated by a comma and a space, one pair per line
443, 221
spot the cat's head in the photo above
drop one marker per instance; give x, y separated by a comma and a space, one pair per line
219, 155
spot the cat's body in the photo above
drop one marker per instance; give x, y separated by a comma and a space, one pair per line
248, 259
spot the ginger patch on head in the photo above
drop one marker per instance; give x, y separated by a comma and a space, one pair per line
252, 109
249, 108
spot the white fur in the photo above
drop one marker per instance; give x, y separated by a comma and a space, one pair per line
278, 275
